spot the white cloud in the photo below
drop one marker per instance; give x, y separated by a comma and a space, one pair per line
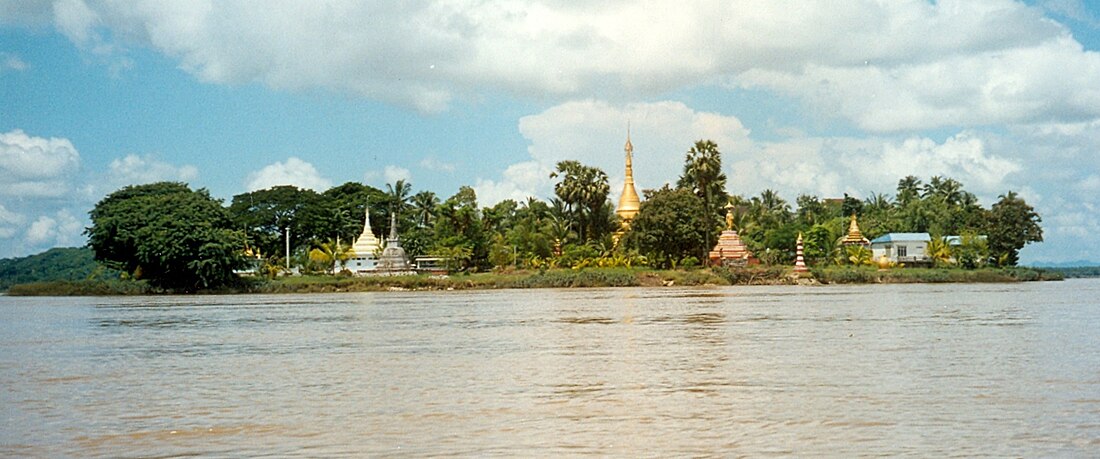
9, 222
1050, 80
594, 133
137, 170
394, 173
59, 229
885, 65
12, 62
292, 172
520, 181
33, 13
76, 20
830, 167
35, 166
436, 165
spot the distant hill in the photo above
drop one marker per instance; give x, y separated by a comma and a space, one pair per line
68, 263
1067, 264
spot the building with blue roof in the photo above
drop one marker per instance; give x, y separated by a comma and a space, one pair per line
908, 248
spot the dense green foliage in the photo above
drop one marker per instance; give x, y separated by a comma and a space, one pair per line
57, 264
703, 176
584, 191
166, 233
670, 225
869, 275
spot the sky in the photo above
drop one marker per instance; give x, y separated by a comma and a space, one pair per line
819, 98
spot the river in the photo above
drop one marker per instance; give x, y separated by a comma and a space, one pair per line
899, 370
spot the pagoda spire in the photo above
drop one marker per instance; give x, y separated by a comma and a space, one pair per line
393, 226
629, 203
366, 245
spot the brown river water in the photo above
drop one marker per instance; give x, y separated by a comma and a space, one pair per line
897, 370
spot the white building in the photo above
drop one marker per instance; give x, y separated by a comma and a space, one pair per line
902, 247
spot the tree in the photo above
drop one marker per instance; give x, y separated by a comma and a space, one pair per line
265, 215
703, 176
459, 225
166, 233
424, 204
398, 193
908, 190
811, 210
349, 203
584, 191
328, 254
972, 251
819, 243
669, 226
1012, 225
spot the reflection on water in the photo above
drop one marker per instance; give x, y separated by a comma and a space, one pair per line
924, 370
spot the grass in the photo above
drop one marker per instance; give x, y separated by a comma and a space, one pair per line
870, 275
555, 278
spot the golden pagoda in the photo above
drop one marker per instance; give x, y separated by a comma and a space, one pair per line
854, 237
730, 249
628, 200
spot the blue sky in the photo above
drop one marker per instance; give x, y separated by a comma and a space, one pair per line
843, 97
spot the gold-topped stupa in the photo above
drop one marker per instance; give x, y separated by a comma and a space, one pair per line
730, 249
628, 200
854, 237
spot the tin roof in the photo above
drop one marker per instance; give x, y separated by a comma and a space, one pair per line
902, 237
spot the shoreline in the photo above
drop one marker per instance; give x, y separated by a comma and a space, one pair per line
556, 278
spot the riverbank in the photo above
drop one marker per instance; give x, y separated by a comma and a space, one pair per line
557, 278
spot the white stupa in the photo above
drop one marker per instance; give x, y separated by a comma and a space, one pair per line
364, 256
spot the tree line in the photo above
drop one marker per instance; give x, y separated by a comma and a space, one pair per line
185, 239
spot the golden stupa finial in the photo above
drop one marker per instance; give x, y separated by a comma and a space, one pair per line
629, 147
729, 216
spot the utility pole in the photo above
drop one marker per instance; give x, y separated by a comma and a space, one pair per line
288, 248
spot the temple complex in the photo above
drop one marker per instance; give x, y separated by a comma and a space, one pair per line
364, 256
628, 200
730, 249
393, 257
854, 236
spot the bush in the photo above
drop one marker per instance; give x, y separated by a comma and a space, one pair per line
754, 275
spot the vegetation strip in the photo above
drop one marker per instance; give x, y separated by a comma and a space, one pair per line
554, 278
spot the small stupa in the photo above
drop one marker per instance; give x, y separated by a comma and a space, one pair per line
799, 263
730, 249
854, 236
393, 257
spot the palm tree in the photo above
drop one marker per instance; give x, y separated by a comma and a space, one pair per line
878, 202
908, 190
947, 191
939, 250
398, 195
703, 176
584, 191
425, 203
330, 253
